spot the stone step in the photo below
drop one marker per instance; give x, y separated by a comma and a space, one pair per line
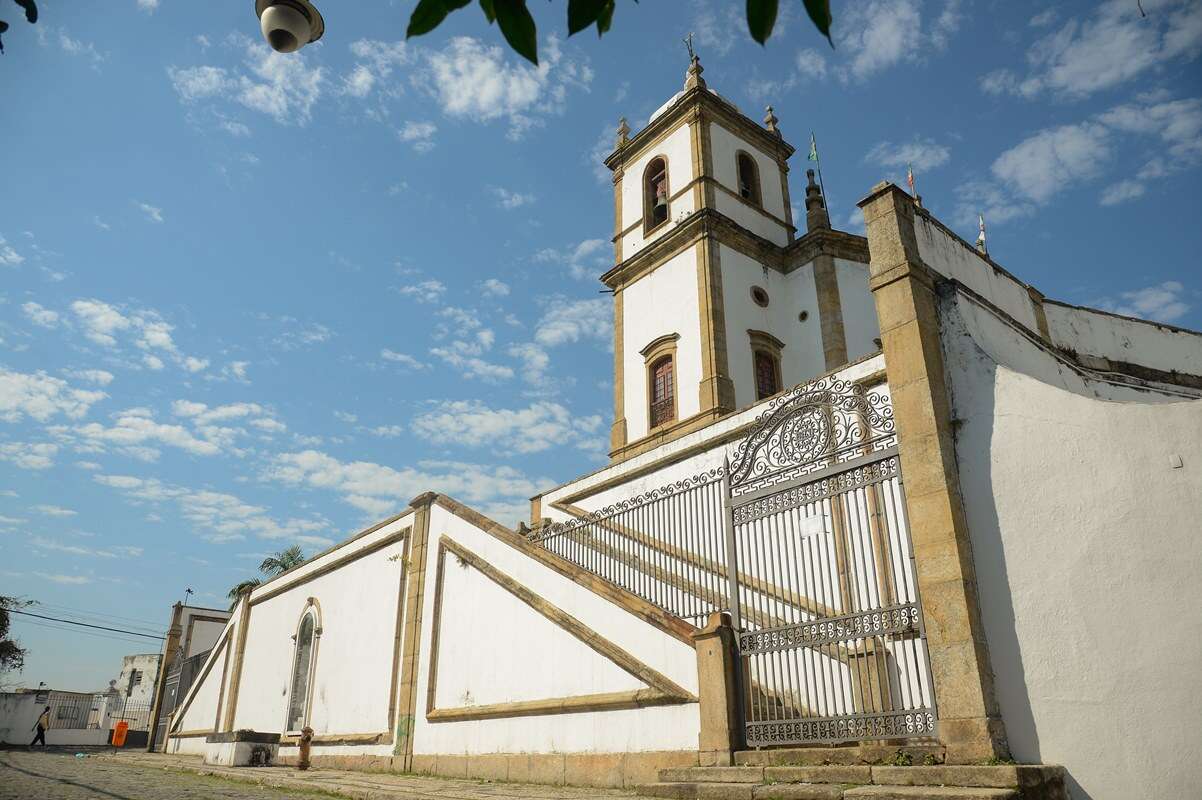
1002, 776
929, 793
851, 755
684, 790
712, 775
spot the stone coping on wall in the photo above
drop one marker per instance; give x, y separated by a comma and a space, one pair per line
244, 735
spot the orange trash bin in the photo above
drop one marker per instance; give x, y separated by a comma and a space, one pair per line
119, 731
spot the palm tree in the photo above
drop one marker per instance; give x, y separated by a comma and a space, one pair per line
275, 564
236, 593
281, 562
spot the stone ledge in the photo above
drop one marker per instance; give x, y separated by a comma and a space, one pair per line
243, 736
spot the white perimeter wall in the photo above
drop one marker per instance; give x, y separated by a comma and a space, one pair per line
1088, 557
660, 303
354, 656
676, 147
496, 649
1076, 330
19, 714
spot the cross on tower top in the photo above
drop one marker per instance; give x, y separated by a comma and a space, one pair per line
688, 43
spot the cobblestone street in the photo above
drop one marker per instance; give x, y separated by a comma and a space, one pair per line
56, 774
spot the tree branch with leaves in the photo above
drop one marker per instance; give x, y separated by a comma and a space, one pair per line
275, 564
518, 27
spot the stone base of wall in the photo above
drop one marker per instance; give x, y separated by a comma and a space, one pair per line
604, 770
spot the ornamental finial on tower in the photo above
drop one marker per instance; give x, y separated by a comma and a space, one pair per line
816, 213
770, 122
693, 78
623, 133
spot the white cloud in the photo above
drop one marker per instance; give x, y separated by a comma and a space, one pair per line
152, 213
401, 358
511, 200
116, 551
538, 427
1054, 159
810, 63
149, 6
102, 322
1121, 192
418, 134
8, 256
77, 47
494, 288
497, 490
344, 416
567, 321
1043, 164
136, 433
236, 370
280, 85
459, 355
880, 34
29, 455
375, 62
535, 361
54, 511
429, 291
297, 334
718, 30
1111, 47
39, 315
477, 81
1163, 302
585, 261
99, 377
41, 397
221, 517
387, 431
55, 577
924, 154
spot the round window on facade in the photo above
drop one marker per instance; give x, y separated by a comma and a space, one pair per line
759, 296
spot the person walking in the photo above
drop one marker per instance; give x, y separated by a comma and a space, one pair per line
42, 724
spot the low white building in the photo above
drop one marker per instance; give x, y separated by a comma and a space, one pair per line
946, 539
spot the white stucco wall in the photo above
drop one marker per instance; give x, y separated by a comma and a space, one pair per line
1085, 541
724, 148
860, 323
354, 655
676, 147
1097, 333
660, 303
954, 259
788, 296
507, 652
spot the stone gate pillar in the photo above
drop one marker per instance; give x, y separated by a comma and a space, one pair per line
970, 723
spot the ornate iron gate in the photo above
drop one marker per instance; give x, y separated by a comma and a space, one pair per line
815, 510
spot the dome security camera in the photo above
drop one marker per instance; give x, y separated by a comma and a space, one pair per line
289, 25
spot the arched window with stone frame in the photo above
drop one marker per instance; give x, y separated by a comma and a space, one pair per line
304, 666
655, 193
748, 173
659, 356
766, 363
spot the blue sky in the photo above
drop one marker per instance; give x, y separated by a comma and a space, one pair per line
250, 300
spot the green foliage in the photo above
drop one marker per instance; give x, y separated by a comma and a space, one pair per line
31, 16
519, 30
275, 564
281, 562
12, 655
901, 759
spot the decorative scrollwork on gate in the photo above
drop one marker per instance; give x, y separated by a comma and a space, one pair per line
809, 427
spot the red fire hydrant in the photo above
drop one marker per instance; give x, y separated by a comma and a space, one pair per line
306, 740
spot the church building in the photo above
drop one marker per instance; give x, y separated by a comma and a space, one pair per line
879, 519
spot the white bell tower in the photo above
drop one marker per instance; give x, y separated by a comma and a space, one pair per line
706, 309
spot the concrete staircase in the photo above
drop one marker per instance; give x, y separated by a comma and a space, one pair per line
794, 775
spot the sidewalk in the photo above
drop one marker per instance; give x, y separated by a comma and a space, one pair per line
363, 785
